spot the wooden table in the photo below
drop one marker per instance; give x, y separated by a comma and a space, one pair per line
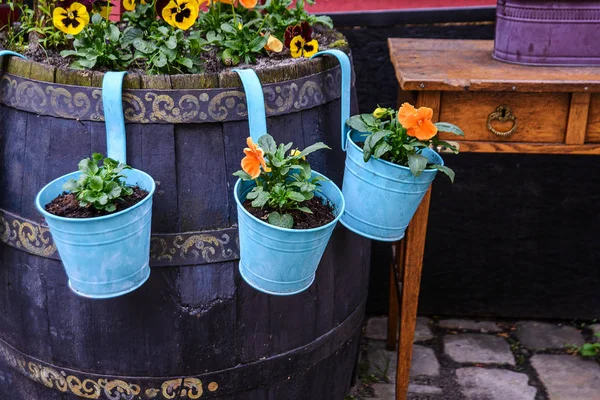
502, 108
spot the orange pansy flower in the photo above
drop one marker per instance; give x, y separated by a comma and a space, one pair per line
273, 44
245, 3
255, 158
417, 121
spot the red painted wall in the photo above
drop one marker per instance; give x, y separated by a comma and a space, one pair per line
369, 5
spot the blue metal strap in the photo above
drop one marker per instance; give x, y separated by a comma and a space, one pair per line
11, 53
346, 80
257, 117
112, 101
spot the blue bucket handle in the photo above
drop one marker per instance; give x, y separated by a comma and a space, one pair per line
11, 53
112, 102
257, 117
346, 84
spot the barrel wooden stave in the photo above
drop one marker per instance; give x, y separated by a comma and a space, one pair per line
191, 319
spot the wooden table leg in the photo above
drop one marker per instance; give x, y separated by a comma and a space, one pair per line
413, 264
394, 309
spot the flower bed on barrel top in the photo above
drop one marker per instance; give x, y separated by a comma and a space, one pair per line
168, 36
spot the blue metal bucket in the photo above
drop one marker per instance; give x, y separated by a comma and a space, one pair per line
275, 260
104, 256
282, 261
381, 197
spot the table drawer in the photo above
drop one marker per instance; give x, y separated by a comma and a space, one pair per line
593, 124
540, 117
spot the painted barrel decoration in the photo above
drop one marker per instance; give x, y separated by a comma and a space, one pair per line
195, 329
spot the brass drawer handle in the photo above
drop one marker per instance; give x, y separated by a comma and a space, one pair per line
502, 114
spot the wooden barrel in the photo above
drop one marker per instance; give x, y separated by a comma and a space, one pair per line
195, 329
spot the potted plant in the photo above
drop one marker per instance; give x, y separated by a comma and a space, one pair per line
390, 164
100, 216
286, 211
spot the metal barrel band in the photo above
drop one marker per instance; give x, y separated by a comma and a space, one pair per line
346, 68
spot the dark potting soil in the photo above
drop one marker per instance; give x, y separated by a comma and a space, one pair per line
66, 205
322, 214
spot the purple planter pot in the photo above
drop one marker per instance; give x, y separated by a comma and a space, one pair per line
542, 32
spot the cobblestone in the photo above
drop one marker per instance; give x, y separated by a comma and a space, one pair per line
494, 384
482, 366
377, 329
483, 326
424, 362
423, 389
478, 348
422, 331
568, 377
541, 335
383, 363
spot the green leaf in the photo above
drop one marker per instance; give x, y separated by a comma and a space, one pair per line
88, 196
304, 209
261, 199
367, 150
325, 20
212, 36
590, 349
242, 175
417, 163
369, 119
113, 190
355, 122
102, 199
171, 43
161, 60
447, 127
67, 53
186, 62
254, 193
283, 221
113, 33
143, 46
267, 143
96, 183
130, 34
96, 19
312, 148
296, 196
445, 170
381, 149
309, 195
225, 27
71, 186
376, 137
87, 167
110, 208
258, 43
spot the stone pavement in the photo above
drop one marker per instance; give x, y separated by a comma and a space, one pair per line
465, 359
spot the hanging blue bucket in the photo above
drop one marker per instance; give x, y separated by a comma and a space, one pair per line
382, 197
282, 261
105, 256
276, 260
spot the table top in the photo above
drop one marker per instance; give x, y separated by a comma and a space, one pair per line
456, 65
